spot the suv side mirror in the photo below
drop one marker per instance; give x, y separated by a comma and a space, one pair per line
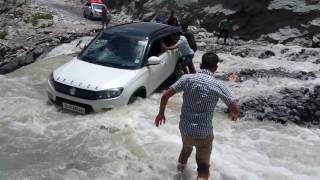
154, 60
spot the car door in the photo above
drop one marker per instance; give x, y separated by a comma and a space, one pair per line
157, 74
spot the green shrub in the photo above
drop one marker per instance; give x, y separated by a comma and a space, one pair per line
4, 10
3, 34
36, 17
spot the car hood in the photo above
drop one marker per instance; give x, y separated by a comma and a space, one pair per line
94, 77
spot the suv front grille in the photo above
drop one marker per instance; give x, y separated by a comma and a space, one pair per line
76, 92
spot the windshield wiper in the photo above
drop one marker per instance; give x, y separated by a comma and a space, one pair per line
127, 65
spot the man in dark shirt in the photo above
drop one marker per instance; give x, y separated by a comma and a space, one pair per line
190, 37
173, 20
224, 28
106, 17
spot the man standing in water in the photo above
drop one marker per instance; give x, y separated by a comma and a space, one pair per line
201, 92
224, 28
185, 50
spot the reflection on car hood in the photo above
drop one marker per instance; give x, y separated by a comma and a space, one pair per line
94, 77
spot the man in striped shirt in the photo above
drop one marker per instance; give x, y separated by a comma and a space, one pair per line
201, 92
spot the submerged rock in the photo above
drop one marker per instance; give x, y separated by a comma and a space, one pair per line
299, 106
266, 54
246, 74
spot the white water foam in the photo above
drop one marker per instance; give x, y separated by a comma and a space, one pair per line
37, 141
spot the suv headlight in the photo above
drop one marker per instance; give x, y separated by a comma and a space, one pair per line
110, 93
51, 79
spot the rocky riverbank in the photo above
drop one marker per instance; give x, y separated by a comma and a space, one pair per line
15, 55
300, 106
30, 29
275, 21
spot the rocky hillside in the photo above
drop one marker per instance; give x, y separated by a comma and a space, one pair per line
283, 21
6, 5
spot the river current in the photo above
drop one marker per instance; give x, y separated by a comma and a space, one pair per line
39, 141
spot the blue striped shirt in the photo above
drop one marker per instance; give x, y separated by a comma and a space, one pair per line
201, 92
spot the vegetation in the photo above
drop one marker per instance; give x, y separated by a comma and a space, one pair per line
3, 34
4, 10
35, 18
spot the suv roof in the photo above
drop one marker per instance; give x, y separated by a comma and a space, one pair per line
141, 30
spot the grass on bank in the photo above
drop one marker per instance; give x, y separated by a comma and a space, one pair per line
3, 34
35, 18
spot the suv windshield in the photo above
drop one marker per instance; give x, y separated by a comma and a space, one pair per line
115, 51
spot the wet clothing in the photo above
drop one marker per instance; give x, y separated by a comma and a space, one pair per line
203, 153
106, 17
183, 47
173, 21
186, 54
224, 27
201, 92
187, 60
225, 33
161, 19
225, 24
191, 40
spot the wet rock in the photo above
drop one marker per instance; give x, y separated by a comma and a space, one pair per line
297, 106
242, 53
110, 130
317, 61
283, 51
316, 41
302, 55
266, 54
37, 52
246, 74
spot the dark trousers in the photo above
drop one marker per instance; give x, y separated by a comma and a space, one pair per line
203, 153
105, 21
187, 62
225, 33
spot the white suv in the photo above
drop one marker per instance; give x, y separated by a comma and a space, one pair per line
120, 64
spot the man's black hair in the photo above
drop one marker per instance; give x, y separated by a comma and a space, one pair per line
209, 60
184, 26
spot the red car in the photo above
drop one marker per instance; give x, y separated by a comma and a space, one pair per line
93, 9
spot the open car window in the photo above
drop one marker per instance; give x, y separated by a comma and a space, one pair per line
156, 48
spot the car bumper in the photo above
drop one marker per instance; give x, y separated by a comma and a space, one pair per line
97, 15
90, 105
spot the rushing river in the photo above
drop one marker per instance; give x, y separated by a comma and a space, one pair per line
39, 141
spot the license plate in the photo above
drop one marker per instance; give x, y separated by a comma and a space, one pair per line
74, 108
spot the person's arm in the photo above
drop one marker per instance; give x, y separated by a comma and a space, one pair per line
175, 88
172, 47
161, 119
226, 97
234, 111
